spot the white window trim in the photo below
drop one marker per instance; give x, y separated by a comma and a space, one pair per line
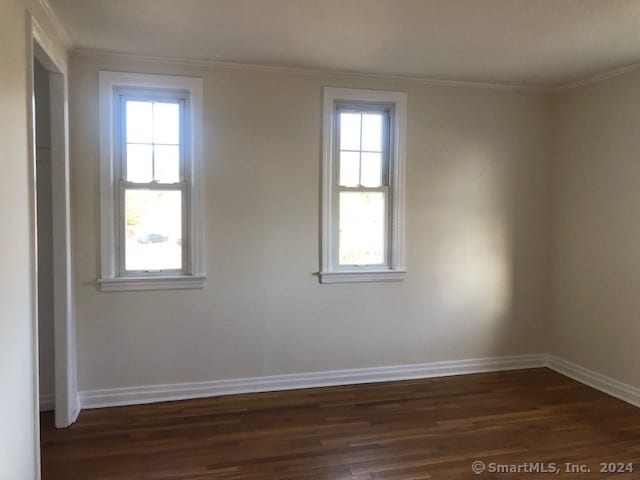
330, 272
195, 276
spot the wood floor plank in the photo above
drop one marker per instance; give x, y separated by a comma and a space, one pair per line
409, 430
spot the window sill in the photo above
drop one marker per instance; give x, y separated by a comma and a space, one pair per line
122, 284
362, 276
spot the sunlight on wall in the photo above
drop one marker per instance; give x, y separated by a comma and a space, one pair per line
473, 265
473, 271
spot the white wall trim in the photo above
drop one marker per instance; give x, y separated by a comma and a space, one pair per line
395, 264
112, 397
162, 393
47, 402
227, 65
364, 276
33, 31
122, 284
620, 390
600, 77
57, 24
109, 276
41, 47
43, 40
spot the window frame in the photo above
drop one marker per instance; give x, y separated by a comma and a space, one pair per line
395, 104
112, 85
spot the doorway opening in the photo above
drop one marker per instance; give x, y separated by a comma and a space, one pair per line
52, 319
44, 222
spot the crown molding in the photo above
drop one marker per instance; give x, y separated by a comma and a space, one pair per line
599, 77
226, 65
57, 24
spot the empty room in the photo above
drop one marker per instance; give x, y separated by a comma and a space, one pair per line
319, 239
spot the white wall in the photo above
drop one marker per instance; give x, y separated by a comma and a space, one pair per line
18, 424
17, 427
596, 227
477, 238
45, 236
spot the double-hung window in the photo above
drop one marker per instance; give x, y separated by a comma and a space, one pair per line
150, 204
363, 185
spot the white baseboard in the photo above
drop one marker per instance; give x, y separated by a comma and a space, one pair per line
47, 402
595, 380
162, 393
77, 407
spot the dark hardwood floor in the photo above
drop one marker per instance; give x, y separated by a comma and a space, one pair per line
407, 430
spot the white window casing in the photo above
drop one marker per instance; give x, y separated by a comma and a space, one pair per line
395, 105
187, 90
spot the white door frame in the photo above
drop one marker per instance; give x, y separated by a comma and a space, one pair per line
67, 405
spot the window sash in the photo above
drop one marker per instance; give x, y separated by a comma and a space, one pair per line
122, 228
121, 134
337, 188
362, 109
336, 230
121, 96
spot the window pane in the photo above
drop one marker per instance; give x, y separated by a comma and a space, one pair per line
139, 163
362, 228
167, 163
138, 122
349, 169
371, 169
166, 123
153, 230
372, 132
349, 131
